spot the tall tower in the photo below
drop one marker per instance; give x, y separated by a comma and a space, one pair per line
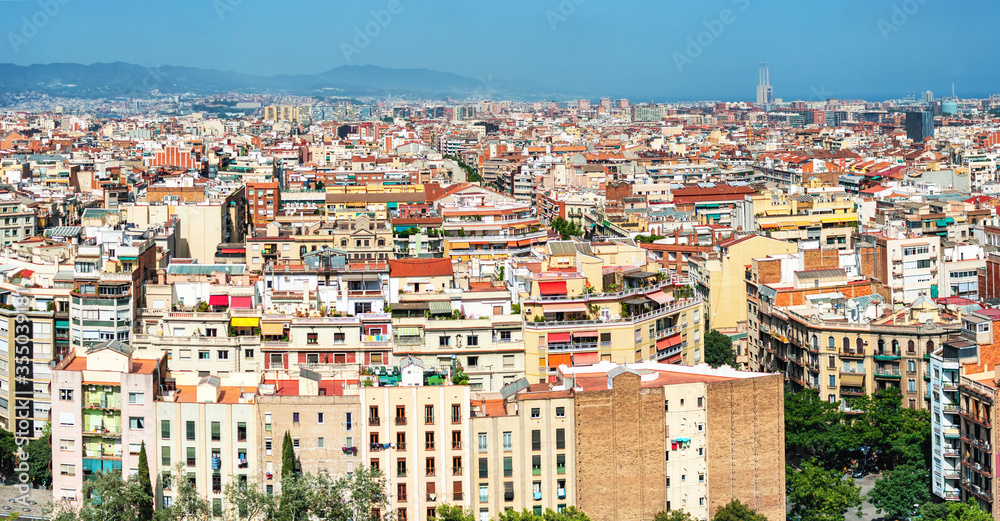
765, 96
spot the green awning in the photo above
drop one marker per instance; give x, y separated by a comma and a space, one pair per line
942, 222
439, 308
407, 331
949, 220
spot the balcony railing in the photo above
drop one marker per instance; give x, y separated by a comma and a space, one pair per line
400, 420
374, 420
629, 320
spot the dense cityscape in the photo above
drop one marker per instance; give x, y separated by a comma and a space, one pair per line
385, 293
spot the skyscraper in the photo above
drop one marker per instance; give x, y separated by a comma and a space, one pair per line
919, 125
765, 96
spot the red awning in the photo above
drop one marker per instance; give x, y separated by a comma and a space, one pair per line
569, 307
586, 358
670, 341
218, 300
585, 334
234, 250
659, 297
552, 287
558, 338
241, 303
26, 273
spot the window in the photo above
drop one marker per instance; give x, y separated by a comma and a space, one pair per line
508, 443
833, 381
67, 444
456, 439
536, 440
191, 460
190, 430
165, 456
431, 470
484, 468
471, 340
67, 470
429, 440
241, 431
248, 353
136, 422
560, 438
165, 429
349, 421
66, 394
444, 341
508, 466
536, 413
456, 413
560, 412
295, 417
701, 427
484, 493
295, 443
482, 441
204, 355
428, 414
701, 401
312, 338
222, 355
508, 491
216, 431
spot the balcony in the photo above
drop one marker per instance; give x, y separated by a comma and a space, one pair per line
573, 346
456, 445
981, 420
456, 496
886, 373
560, 469
852, 353
401, 473
456, 471
950, 433
400, 420
374, 421
951, 453
985, 470
537, 471
886, 356
561, 493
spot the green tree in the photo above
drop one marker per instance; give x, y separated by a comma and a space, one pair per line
897, 491
188, 505
8, 448
454, 513
250, 501
812, 424
109, 497
931, 511
460, 377
566, 228
719, 350
366, 488
736, 511
145, 507
673, 515
293, 505
968, 511
39, 455
817, 494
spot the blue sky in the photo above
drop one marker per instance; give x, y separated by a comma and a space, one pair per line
639, 49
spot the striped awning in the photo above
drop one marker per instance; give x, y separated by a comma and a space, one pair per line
439, 308
272, 328
407, 331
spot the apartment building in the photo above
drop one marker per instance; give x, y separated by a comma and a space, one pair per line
360, 239
263, 203
525, 441
47, 312
679, 438
718, 277
819, 219
419, 436
17, 217
836, 334
102, 412
908, 265
963, 439
323, 418
209, 427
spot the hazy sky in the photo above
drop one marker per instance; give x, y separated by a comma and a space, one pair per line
641, 49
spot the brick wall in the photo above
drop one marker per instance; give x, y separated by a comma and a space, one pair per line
620, 447
769, 271
746, 444
820, 259
618, 191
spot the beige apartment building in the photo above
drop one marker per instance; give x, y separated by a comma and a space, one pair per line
524, 450
419, 436
323, 419
210, 428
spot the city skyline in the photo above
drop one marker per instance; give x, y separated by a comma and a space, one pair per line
673, 52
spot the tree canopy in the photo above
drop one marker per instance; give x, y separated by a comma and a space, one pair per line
673, 515
566, 228
719, 350
818, 494
898, 490
812, 424
737, 511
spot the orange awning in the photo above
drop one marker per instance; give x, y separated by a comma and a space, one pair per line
560, 359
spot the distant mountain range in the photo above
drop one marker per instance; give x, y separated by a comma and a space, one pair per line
110, 80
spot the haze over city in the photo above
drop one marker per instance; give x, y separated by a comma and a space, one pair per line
643, 50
